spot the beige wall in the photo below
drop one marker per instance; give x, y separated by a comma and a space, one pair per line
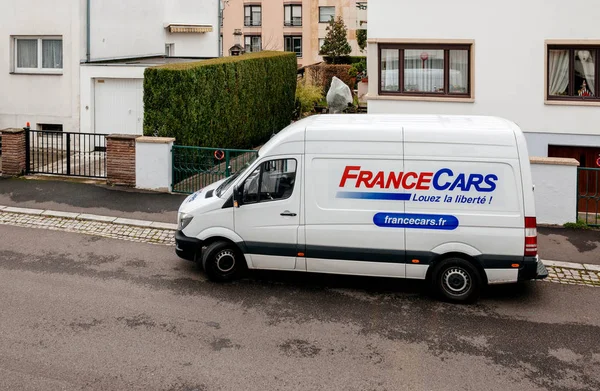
272, 29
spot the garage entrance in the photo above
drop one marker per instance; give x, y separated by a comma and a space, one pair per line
118, 106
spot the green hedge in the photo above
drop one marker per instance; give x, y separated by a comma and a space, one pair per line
229, 102
347, 60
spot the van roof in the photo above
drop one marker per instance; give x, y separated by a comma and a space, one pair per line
420, 121
440, 129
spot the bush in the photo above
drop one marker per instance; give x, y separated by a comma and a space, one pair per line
307, 95
345, 60
580, 224
322, 75
230, 102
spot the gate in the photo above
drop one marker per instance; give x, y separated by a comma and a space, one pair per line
588, 195
65, 153
197, 167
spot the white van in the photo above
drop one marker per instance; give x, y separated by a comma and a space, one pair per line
448, 199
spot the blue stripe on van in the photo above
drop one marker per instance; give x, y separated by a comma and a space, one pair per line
365, 195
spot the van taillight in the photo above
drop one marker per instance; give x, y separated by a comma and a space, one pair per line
530, 237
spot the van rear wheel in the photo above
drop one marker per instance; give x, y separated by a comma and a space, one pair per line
457, 280
222, 262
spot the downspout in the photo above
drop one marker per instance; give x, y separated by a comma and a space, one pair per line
87, 32
218, 26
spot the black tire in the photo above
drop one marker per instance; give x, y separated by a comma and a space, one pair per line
223, 262
456, 280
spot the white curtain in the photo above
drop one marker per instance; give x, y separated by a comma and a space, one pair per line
459, 71
52, 53
585, 66
389, 70
423, 75
27, 53
558, 68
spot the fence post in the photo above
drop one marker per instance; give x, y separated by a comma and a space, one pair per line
120, 159
227, 173
27, 151
14, 151
68, 153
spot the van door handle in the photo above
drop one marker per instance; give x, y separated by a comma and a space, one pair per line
288, 213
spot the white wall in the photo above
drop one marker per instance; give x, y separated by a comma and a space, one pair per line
89, 73
153, 163
40, 98
555, 182
509, 56
136, 28
126, 28
205, 12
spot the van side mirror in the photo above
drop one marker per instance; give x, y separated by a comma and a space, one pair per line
238, 193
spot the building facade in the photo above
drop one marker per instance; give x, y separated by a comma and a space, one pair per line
296, 26
54, 67
535, 63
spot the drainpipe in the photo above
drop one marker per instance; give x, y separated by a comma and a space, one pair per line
87, 32
218, 26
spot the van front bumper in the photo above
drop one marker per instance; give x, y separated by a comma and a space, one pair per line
187, 248
532, 269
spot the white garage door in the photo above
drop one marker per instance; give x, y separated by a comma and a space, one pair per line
119, 106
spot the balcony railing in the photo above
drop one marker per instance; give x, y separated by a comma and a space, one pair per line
294, 22
249, 22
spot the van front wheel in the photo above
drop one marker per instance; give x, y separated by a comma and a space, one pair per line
222, 262
457, 280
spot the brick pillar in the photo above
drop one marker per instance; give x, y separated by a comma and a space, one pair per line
120, 159
13, 152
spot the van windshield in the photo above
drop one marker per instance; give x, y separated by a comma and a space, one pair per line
227, 184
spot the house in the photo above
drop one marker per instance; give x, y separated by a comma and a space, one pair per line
534, 62
296, 26
78, 65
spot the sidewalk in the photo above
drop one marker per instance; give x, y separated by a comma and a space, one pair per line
76, 197
569, 245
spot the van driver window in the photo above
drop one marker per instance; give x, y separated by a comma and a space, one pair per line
274, 178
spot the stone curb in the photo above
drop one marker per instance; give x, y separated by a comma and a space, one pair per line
90, 217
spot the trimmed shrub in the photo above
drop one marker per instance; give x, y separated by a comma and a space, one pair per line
322, 75
346, 60
229, 102
307, 96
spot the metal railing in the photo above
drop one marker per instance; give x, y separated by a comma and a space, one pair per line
588, 195
197, 167
295, 21
250, 22
66, 153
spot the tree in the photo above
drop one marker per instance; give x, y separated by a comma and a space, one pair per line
336, 42
361, 39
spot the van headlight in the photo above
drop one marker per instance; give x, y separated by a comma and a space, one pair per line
183, 219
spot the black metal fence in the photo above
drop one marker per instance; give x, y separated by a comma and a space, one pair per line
588, 195
66, 153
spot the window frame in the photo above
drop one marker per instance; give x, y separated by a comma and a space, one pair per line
39, 69
326, 6
260, 167
292, 37
572, 48
446, 47
291, 23
252, 23
252, 36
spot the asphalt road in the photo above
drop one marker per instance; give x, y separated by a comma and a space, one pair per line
82, 312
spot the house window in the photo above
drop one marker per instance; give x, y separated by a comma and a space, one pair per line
38, 54
252, 15
321, 42
292, 15
293, 44
573, 72
326, 14
252, 43
50, 127
425, 70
